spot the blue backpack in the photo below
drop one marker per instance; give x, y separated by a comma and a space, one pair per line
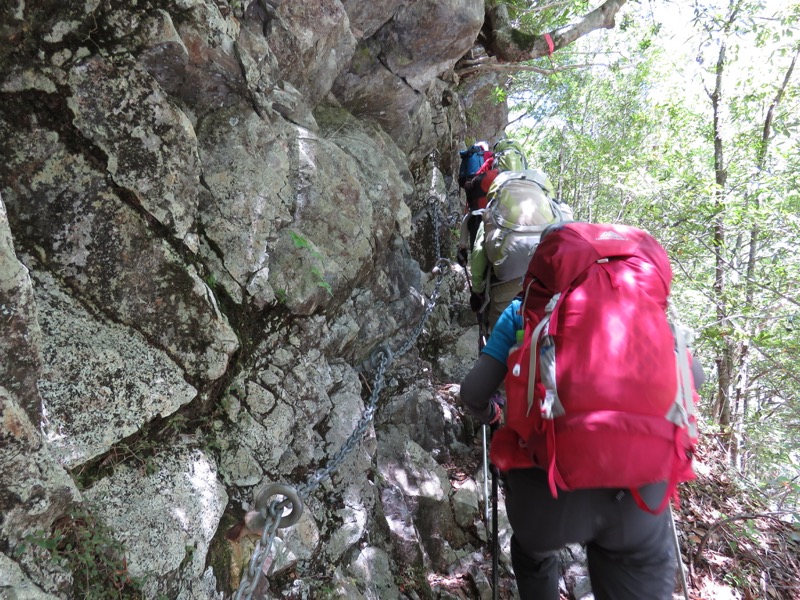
471, 161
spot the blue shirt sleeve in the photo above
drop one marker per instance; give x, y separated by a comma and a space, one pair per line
504, 334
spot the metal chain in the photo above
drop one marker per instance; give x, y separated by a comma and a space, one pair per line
442, 265
455, 213
253, 574
380, 359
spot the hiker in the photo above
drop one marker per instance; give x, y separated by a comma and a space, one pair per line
475, 161
629, 549
520, 207
506, 155
472, 159
477, 189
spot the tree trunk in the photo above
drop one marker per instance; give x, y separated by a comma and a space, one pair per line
725, 360
752, 327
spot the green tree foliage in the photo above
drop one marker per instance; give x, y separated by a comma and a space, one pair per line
697, 143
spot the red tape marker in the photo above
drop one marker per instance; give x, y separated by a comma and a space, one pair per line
550, 45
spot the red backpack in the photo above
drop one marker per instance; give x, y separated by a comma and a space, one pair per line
599, 391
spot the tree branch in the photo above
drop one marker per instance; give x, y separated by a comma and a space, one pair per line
509, 44
767, 130
493, 67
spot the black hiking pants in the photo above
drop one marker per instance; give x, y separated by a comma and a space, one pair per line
630, 552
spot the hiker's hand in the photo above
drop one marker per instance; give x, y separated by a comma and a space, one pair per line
476, 301
497, 415
461, 256
498, 399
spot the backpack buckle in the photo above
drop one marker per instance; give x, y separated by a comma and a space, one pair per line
546, 405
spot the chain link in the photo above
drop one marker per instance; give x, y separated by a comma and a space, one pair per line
250, 578
380, 360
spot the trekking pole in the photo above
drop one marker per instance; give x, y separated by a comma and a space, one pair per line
487, 469
484, 440
484, 428
485, 436
495, 539
463, 262
494, 543
682, 571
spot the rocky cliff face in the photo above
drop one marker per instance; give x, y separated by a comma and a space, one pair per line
212, 213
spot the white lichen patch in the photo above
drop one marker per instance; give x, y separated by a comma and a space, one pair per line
166, 519
100, 381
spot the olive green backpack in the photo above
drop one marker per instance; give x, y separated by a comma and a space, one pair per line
509, 156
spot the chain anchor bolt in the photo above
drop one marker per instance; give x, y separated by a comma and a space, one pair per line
264, 496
